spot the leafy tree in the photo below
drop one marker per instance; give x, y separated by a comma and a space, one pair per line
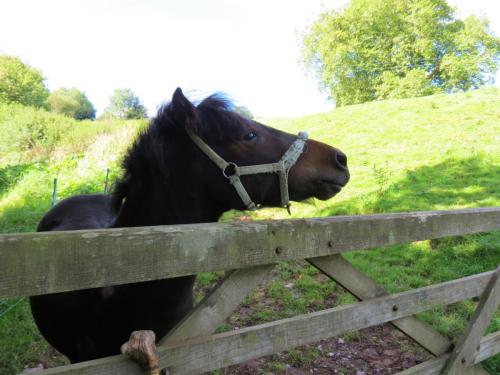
71, 102
244, 111
377, 49
20, 83
124, 104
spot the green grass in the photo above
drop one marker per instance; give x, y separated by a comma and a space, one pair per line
429, 153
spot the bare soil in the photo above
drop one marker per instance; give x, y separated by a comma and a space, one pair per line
376, 350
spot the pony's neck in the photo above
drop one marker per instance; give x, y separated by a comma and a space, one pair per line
156, 207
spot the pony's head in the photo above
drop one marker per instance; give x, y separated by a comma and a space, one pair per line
176, 155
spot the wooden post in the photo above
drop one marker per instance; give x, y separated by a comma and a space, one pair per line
467, 348
106, 181
54, 193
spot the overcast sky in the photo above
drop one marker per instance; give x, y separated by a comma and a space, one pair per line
248, 49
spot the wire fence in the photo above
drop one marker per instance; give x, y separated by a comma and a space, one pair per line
8, 305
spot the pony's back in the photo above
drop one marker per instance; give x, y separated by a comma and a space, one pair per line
79, 212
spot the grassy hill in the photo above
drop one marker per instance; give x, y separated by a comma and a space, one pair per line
436, 152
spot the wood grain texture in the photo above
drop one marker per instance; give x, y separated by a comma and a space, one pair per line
489, 346
50, 262
207, 353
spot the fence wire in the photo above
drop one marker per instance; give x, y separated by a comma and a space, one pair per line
7, 305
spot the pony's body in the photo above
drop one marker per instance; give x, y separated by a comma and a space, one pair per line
168, 180
90, 321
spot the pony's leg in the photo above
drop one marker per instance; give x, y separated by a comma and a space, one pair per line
141, 348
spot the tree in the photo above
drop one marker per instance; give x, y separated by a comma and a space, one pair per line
71, 102
377, 49
125, 105
244, 111
20, 83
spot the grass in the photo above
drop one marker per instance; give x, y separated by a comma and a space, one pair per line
429, 153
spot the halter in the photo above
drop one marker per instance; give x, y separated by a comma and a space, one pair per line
232, 172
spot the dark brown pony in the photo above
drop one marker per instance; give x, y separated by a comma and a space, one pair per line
169, 180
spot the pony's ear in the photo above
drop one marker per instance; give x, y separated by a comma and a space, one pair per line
182, 110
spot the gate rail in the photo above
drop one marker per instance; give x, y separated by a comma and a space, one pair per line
49, 262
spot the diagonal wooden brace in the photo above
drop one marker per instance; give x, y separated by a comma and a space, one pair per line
464, 354
222, 300
361, 286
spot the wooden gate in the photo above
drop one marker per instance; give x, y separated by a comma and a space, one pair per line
49, 262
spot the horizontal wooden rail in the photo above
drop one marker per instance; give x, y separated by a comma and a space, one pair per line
212, 352
49, 262
489, 346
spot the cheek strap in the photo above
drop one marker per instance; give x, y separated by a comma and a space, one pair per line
232, 172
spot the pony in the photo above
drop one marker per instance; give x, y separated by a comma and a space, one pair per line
188, 166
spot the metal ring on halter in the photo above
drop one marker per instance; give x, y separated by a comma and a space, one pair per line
228, 166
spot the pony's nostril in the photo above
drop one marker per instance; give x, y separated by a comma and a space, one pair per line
341, 159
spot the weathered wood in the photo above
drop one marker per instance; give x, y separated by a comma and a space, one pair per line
468, 346
363, 287
219, 303
489, 346
49, 262
434, 366
212, 352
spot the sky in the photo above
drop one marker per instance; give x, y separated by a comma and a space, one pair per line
248, 49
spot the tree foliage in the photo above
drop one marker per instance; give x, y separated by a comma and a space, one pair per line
20, 83
377, 49
124, 104
71, 102
244, 111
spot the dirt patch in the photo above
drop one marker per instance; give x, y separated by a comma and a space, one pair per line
376, 350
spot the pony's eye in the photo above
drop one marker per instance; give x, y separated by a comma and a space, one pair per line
250, 136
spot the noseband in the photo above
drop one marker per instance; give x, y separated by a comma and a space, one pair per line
232, 172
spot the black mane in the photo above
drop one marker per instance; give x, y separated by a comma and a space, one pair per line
151, 152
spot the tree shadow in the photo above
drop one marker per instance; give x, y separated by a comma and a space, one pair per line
453, 183
11, 175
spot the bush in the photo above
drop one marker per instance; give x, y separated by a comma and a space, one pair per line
30, 134
71, 102
26, 131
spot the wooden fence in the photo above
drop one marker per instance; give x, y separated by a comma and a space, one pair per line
40, 263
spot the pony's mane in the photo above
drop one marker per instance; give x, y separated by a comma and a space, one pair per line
217, 121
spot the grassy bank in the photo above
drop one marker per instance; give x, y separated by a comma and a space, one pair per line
438, 152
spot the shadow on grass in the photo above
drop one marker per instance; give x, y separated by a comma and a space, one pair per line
470, 182
11, 175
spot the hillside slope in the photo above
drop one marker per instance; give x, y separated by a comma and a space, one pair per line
433, 152
436, 152
36, 147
